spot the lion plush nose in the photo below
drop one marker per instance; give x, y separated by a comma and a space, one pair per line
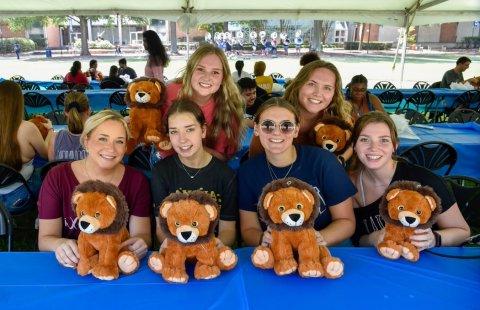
84, 224
410, 219
329, 146
294, 217
186, 234
141, 94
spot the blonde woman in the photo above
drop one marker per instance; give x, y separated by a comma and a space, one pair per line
104, 137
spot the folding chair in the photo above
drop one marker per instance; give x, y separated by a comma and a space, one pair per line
413, 116
57, 77
384, 85
391, 98
29, 86
470, 99
277, 75
6, 226
109, 84
432, 155
117, 99
464, 116
17, 78
55, 86
422, 101
421, 85
36, 100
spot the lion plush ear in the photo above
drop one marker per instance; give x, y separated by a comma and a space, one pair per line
164, 208
431, 202
111, 201
76, 197
212, 212
318, 126
348, 134
159, 87
130, 86
308, 195
393, 193
266, 200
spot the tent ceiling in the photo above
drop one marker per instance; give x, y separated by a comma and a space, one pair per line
387, 12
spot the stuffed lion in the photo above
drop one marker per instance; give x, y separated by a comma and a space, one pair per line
39, 120
102, 218
145, 96
188, 221
406, 206
333, 134
289, 207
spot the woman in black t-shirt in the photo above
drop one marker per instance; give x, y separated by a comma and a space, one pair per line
375, 168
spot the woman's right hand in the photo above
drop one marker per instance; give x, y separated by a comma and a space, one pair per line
267, 237
67, 253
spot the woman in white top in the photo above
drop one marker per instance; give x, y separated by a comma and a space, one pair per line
237, 75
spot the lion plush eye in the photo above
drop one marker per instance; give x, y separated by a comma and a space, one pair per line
324, 137
177, 224
82, 213
281, 208
401, 208
97, 215
419, 212
337, 140
299, 207
194, 224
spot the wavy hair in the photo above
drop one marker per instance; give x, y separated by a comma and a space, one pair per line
76, 67
156, 51
339, 107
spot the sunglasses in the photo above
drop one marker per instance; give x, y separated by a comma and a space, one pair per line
286, 127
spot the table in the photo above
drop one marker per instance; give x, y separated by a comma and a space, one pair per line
44, 84
465, 138
36, 280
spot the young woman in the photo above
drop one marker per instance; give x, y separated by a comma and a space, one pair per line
93, 73
193, 168
207, 81
239, 73
157, 55
104, 137
113, 77
76, 76
375, 168
65, 144
361, 99
19, 141
276, 125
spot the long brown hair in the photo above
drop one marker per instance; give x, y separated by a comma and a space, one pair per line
338, 107
229, 103
11, 116
76, 103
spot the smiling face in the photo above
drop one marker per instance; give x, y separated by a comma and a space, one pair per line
250, 95
206, 78
358, 91
317, 93
374, 146
277, 141
186, 134
106, 144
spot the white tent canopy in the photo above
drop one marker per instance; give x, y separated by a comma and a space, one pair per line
385, 12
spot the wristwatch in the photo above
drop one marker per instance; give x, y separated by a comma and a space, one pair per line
438, 239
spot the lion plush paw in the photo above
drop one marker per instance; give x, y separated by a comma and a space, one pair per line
333, 267
152, 135
174, 275
410, 252
310, 269
227, 259
105, 272
285, 266
83, 267
156, 262
206, 272
389, 249
262, 257
128, 262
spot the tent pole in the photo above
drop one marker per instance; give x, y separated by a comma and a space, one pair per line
404, 51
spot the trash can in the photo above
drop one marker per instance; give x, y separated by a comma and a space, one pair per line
48, 53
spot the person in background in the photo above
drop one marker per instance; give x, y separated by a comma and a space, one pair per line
16, 49
104, 137
248, 89
193, 168
20, 140
308, 58
239, 73
265, 82
76, 76
65, 144
157, 55
113, 77
361, 99
375, 167
124, 69
456, 74
93, 72
276, 125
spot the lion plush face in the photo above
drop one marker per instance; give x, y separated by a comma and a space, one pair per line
144, 92
290, 206
188, 219
94, 210
410, 207
331, 137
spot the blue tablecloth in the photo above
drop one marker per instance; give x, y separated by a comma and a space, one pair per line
465, 138
36, 280
44, 84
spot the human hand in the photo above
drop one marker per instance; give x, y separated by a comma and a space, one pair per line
47, 124
165, 145
137, 245
267, 237
319, 238
67, 253
423, 239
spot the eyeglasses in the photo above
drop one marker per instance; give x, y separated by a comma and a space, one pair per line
286, 127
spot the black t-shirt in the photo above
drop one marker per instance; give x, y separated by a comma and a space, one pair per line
129, 71
368, 218
216, 179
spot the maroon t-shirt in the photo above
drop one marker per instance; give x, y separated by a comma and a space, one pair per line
55, 196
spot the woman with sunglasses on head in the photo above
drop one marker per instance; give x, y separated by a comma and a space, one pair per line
362, 100
375, 167
276, 124
193, 168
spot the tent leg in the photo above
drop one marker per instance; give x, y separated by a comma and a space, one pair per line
404, 51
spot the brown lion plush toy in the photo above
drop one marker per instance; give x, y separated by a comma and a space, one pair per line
188, 221
39, 120
145, 96
333, 134
289, 208
102, 218
406, 206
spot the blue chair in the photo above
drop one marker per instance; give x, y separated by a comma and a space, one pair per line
384, 85
391, 98
37, 101
432, 155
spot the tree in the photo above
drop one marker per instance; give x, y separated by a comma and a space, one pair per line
83, 29
25, 23
321, 28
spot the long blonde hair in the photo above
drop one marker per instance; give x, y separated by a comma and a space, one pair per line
76, 103
338, 107
229, 103
11, 116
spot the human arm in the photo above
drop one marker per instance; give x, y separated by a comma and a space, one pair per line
140, 238
50, 239
31, 133
227, 232
250, 228
377, 104
50, 146
342, 226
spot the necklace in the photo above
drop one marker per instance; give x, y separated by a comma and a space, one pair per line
272, 173
192, 176
90, 178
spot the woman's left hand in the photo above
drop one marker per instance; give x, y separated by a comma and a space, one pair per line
423, 239
137, 245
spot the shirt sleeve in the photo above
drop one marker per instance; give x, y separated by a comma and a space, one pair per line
160, 187
49, 200
229, 210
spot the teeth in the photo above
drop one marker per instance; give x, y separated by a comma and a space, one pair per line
185, 147
314, 101
205, 85
276, 140
107, 157
373, 157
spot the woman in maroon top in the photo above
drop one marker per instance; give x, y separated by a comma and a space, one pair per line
76, 76
104, 137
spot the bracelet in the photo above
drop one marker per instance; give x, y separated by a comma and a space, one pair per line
438, 239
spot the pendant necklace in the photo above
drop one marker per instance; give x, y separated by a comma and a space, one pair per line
272, 173
192, 176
